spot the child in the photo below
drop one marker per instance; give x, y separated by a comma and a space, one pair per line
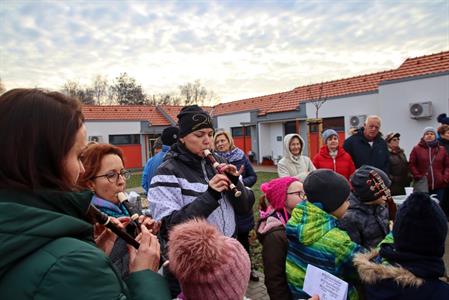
410, 267
207, 264
366, 220
313, 235
283, 194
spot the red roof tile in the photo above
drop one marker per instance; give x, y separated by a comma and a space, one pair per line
125, 112
288, 101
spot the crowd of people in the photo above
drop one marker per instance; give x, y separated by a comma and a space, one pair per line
70, 232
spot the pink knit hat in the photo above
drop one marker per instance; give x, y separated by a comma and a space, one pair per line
207, 264
275, 190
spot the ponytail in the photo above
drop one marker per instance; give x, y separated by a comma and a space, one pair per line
262, 203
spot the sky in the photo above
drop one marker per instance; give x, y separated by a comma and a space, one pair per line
238, 49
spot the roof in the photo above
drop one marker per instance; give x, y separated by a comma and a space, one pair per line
423, 65
125, 112
283, 101
290, 100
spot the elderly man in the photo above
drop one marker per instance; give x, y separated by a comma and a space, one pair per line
367, 147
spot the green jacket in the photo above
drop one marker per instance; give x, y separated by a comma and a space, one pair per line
47, 252
314, 238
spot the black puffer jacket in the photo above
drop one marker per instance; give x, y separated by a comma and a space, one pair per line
367, 225
180, 191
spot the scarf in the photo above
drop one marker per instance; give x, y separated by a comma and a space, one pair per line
110, 208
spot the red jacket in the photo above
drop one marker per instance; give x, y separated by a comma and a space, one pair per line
438, 173
342, 163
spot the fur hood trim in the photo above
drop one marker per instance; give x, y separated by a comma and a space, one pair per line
371, 272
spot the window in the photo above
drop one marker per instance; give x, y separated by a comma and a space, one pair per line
124, 139
337, 124
237, 131
290, 127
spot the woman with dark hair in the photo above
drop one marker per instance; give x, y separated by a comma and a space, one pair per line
105, 175
47, 247
187, 186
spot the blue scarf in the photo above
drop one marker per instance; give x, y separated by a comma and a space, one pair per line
233, 155
110, 208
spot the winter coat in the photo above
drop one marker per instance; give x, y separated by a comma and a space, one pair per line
272, 237
444, 143
367, 225
342, 163
385, 281
236, 157
437, 173
399, 172
296, 166
363, 154
47, 252
180, 191
314, 238
151, 167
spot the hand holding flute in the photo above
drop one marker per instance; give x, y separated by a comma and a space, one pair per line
221, 182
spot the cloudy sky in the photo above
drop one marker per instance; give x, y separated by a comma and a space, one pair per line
238, 49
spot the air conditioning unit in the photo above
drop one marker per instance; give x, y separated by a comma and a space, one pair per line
357, 121
95, 138
420, 110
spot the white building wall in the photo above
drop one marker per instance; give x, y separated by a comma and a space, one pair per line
106, 128
394, 106
233, 120
346, 107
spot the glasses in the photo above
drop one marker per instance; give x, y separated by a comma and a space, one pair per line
112, 176
299, 193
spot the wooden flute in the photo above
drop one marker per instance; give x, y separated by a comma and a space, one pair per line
210, 157
94, 215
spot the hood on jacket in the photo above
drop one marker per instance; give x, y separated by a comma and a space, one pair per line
287, 140
35, 219
310, 222
371, 272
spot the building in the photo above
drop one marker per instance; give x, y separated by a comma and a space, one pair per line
407, 99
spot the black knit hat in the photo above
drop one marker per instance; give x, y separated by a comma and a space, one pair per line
192, 118
420, 226
443, 119
170, 135
361, 186
327, 187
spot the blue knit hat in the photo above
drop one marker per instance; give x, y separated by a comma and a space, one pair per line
431, 129
327, 134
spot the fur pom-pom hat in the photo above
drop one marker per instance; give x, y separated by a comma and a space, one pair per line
207, 264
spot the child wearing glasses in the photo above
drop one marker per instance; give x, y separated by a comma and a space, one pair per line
282, 194
105, 175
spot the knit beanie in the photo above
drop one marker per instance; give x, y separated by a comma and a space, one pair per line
443, 119
276, 189
192, 118
170, 135
207, 264
420, 226
431, 129
362, 185
326, 187
327, 134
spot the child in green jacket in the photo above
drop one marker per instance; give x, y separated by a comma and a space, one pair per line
314, 237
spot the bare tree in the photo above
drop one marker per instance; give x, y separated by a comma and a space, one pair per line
319, 100
99, 87
73, 89
193, 93
2, 87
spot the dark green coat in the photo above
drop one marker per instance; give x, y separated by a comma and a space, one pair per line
47, 252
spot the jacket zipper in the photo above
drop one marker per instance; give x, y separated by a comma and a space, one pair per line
431, 168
